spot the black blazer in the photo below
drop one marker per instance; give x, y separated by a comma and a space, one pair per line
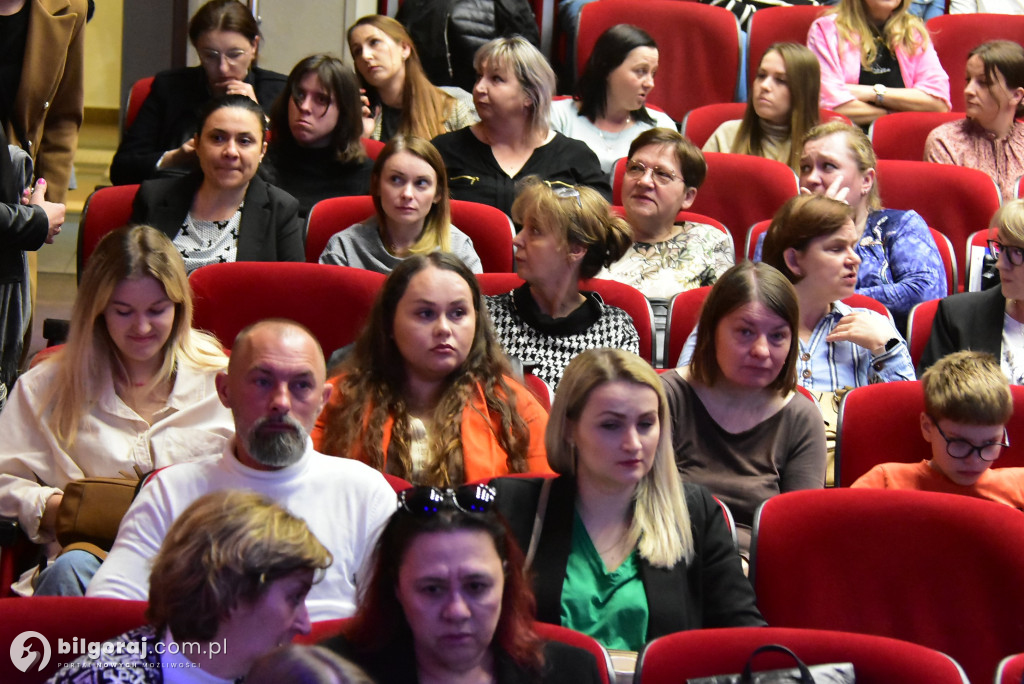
22, 228
271, 229
711, 592
169, 116
970, 320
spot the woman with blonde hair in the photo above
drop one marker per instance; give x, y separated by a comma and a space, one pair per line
402, 98
619, 528
228, 586
514, 138
876, 57
783, 106
133, 390
426, 394
992, 320
413, 215
569, 232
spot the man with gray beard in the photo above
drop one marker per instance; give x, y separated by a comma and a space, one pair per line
276, 387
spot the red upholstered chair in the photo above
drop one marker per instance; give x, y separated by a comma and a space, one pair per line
683, 314
614, 293
954, 200
105, 210
864, 302
977, 249
919, 328
955, 35
372, 147
332, 301
1020, 187
61, 618
777, 25
136, 96
753, 235
488, 227
397, 483
700, 123
919, 566
1010, 670
881, 423
698, 46
675, 658
540, 389
901, 135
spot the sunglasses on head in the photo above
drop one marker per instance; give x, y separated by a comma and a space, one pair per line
427, 501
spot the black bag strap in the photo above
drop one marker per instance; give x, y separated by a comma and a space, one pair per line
748, 673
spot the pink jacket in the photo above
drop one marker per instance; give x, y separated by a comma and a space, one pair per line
840, 65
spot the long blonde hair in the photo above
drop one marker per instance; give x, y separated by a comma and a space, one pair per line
90, 355
660, 529
902, 29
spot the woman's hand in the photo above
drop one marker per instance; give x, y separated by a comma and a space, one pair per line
236, 87
186, 154
864, 330
54, 212
835, 191
369, 120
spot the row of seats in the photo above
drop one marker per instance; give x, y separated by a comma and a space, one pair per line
917, 584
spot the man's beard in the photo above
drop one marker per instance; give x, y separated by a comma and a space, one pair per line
275, 447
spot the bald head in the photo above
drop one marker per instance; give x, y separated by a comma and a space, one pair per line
281, 329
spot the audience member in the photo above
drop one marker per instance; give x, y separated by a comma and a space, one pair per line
900, 264
514, 139
967, 403
426, 393
413, 216
739, 426
622, 549
989, 139
275, 387
132, 390
608, 111
447, 601
228, 585
876, 57
298, 664
162, 139
992, 320
663, 172
568, 233
225, 212
782, 108
402, 98
314, 152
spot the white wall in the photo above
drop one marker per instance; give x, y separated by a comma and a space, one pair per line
102, 80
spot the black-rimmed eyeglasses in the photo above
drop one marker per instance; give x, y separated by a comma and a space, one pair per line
1014, 255
960, 448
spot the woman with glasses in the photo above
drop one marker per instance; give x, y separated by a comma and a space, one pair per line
608, 110
315, 124
991, 320
446, 601
618, 546
514, 138
568, 233
667, 256
413, 215
225, 212
426, 393
160, 141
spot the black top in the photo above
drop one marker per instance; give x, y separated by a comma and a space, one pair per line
885, 70
969, 320
169, 117
475, 175
13, 34
310, 174
21, 227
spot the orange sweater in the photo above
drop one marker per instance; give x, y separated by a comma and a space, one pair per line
482, 453
1002, 485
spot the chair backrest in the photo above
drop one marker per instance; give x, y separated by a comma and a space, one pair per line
955, 35
881, 424
948, 255
753, 236
901, 135
698, 46
700, 123
919, 328
1010, 670
864, 302
332, 301
136, 96
918, 566
977, 249
614, 293
372, 147
777, 25
954, 200
61, 620
683, 314
489, 228
105, 210
540, 390
571, 637
697, 653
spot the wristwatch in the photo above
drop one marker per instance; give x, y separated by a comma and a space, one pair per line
880, 91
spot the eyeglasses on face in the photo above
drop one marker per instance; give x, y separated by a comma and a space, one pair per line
232, 56
319, 103
961, 448
637, 170
1014, 255
426, 501
564, 190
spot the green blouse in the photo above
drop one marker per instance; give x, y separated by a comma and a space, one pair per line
609, 606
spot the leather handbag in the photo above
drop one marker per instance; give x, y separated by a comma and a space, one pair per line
831, 673
91, 512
